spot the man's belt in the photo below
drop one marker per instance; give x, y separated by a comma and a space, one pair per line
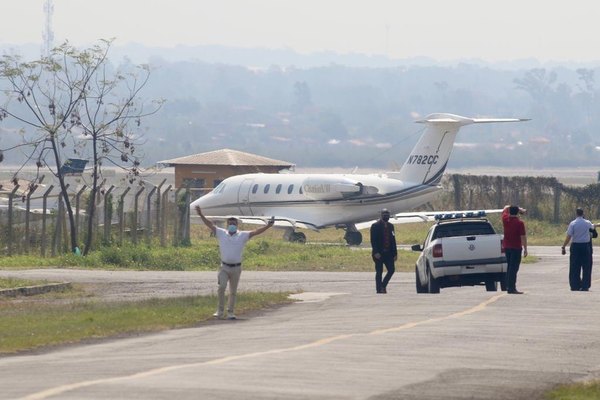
231, 265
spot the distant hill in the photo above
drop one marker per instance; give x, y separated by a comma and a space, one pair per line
347, 110
265, 57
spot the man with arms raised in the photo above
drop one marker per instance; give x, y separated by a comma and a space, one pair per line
231, 246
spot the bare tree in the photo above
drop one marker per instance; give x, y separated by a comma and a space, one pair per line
76, 101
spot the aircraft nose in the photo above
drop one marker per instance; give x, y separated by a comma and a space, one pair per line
203, 201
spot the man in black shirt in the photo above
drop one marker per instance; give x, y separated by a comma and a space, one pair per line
383, 243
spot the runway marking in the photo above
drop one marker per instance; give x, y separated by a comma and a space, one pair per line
314, 297
317, 343
409, 325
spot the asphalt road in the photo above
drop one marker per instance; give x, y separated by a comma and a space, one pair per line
343, 342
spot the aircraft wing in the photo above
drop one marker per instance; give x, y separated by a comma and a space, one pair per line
280, 222
429, 216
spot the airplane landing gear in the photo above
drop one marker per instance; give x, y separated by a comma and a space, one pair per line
292, 236
299, 237
353, 238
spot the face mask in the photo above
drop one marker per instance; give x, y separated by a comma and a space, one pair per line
232, 229
386, 218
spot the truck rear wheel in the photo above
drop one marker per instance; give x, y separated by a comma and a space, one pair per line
420, 287
491, 286
503, 282
432, 283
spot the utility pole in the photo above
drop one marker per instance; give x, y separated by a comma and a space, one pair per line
48, 33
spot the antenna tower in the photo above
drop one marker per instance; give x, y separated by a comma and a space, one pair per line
48, 34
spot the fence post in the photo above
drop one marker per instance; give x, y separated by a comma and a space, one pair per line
65, 231
176, 220
77, 197
57, 227
135, 216
96, 221
10, 219
149, 215
557, 193
186, 213
158, 209
27, 209
121, 208
44, 208
457, 191
163, 211
500, 201
516, 196
107, 219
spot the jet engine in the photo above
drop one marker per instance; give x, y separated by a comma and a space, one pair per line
334, 188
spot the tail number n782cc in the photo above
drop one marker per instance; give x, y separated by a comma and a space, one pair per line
422, 159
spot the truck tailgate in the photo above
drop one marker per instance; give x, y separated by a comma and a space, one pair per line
480, 247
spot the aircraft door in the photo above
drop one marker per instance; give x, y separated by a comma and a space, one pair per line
244, 197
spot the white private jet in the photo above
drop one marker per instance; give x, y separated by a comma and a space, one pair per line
348, 201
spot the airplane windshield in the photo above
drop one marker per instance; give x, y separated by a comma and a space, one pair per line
219, 189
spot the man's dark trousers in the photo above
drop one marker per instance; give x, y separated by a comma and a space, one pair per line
513, 261
579, 260
386, 259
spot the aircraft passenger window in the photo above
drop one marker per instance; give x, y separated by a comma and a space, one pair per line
290, 189
254, 188
278, 189
267, 187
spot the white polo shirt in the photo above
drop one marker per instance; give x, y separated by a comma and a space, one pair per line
579, 230
231, 246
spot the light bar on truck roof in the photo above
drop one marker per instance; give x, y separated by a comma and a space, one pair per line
458, 215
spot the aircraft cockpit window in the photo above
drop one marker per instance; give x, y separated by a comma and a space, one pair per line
290, 189
267, 187
254, 189
219, 189
300, 190
278, 189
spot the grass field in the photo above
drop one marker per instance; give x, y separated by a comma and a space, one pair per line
26, 325
325, 251
9, 283
578, 391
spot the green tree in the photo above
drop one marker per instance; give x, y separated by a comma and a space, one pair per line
75, 101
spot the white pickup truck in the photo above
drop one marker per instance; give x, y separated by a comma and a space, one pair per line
460, 252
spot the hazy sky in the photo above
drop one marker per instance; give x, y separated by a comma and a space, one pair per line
440, 29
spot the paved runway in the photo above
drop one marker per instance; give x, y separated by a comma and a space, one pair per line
343, 342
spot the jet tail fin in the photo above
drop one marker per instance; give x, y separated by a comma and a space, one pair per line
428, 159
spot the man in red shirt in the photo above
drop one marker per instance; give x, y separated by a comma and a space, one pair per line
515, 243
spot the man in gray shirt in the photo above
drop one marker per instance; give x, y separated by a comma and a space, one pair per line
580, 267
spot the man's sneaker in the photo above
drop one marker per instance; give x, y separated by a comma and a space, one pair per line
217, 315
231, 316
